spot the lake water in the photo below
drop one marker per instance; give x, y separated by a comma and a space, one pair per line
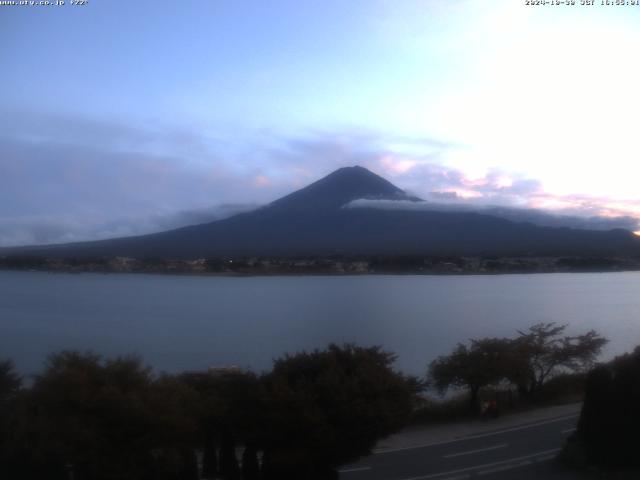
182, 322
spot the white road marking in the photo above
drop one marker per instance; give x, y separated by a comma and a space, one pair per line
568, 430
485, 465
356, 469
459, 477
470, 452
479, 435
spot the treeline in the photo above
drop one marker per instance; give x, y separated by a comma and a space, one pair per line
85, 417
609, 424
526, 362
333, 264
91, 418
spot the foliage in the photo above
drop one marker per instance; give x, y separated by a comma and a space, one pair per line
10, 381
105, 419
23, 262
482, 363
99, 419
93, 418
562, 388
610, 418
528, 361
329, 407
542, 352
228, 399
250, 464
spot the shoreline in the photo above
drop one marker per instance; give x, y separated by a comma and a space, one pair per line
329, 265
314, 274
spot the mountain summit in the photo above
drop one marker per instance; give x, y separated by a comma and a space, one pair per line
339, 188
312, 222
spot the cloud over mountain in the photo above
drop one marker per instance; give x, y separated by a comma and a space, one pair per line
529, 215
68, 177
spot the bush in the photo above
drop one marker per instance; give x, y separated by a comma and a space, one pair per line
563, 388
329, 407
92, 418
610, 418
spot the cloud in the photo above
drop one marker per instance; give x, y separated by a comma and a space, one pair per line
261, 181
536, 217
65, 177
49, 229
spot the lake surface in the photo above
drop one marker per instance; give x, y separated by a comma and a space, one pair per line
182, 322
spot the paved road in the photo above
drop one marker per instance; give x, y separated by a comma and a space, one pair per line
520, 452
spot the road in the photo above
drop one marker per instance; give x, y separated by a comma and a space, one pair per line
522, 452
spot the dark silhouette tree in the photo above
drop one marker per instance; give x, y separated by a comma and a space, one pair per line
610, 418
189, 465
250, 465
209, 456
481, 363
326, 408
10, 381
542, 351
231, 408
527, 361
229, 468
595, 416
97, 419
93, 418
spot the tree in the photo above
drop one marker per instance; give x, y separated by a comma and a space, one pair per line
609, 422
542, 351
481, 363
101, 419
92, 415
527, 361
229, 467
209, 456
326, 408
10, 381
250, 464
230, 408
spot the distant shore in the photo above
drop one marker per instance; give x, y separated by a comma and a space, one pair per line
327, 266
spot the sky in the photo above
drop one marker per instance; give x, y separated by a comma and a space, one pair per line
120, 118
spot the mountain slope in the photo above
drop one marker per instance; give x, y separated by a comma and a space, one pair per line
312, 221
